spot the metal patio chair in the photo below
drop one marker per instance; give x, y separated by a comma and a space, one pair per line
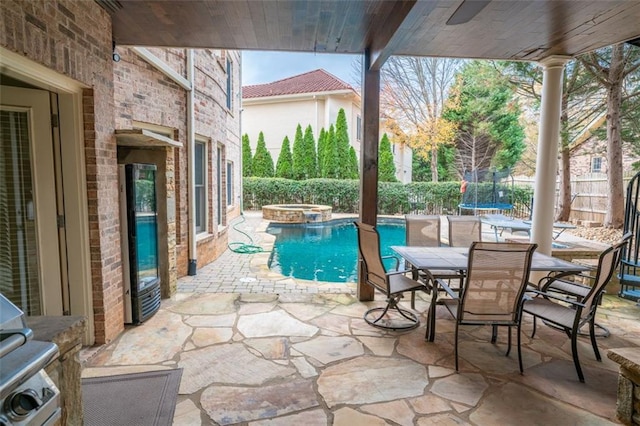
464, 230
392, 284
493, 289
424, 231
569, 306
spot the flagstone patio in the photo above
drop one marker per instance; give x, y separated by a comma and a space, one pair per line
292, 354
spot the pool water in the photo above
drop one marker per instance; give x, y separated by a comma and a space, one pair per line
327, 251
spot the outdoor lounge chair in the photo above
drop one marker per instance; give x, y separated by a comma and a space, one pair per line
568, 305
464, 230
392, 284
493, 290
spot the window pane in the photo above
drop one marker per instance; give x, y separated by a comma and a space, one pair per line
199, 163
229, 183
19, 278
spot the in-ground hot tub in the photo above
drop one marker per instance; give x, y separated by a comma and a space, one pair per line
296, 213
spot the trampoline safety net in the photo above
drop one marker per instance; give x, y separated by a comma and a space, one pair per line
487, 189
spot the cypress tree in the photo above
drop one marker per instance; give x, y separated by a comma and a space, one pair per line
298, 155
246, 156
310, 160
262, 161
386, 168
322, 138
342, 146
330, 155
354, 170
284, 168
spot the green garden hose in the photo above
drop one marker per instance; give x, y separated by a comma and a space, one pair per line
244, 248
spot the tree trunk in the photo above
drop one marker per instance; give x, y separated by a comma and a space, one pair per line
434, 164
614, 217
564, 207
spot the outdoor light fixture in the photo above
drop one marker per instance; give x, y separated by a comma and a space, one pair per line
466, 11
116, 57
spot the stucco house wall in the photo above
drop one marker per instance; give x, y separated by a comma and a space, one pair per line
279, 117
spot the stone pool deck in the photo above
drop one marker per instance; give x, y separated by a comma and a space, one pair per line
259, 349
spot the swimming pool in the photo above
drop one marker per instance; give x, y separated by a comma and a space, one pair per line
328, 251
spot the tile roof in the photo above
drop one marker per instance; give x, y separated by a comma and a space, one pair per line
310, 82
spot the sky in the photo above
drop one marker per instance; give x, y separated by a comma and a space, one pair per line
266, 67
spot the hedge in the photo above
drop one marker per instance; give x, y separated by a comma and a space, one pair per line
344, 195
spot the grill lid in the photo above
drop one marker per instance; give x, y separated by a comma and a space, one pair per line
11, 317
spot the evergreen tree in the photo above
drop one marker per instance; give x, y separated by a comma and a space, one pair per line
284, 168
386, 168
342, 145
322, 140
246, 156
330, 155
354, 170
488, 120
298, 155
310, 157
262, 161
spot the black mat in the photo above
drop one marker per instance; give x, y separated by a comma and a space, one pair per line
137, 399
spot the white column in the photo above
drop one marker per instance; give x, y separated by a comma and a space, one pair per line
547, 161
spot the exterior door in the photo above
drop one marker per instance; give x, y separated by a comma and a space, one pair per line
30, 273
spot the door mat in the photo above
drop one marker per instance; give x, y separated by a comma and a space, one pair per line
138, 399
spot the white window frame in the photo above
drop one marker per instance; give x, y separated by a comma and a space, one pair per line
202, 227
598, 168
229, 183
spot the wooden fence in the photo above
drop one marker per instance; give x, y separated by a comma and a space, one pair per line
590, 193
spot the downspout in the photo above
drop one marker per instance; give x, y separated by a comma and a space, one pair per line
191, 147
240, 110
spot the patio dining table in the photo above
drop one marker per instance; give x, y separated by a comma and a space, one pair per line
456, 259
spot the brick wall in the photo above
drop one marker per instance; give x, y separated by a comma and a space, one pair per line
144, 94
582, 156
74, 39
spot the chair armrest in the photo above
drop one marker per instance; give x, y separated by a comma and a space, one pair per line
398, 272
448, 289
552, 296
391, 256
546, 281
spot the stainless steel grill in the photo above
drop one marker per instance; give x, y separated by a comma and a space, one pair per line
27, 395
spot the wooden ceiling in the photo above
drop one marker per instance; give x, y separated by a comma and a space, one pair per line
503, 29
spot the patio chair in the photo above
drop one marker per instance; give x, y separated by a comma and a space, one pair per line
392, 284
568, 305
493, 290
464, 230
424, 231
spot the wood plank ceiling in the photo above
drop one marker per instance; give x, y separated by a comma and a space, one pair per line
503, 29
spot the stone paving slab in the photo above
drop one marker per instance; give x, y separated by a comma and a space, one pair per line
263, 365
258, 349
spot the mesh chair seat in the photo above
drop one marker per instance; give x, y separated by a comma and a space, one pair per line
399, 283
556, 313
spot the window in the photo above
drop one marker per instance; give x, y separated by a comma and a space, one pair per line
596, 164
229, 84
229, 183
200, 191
219, 164
358, 128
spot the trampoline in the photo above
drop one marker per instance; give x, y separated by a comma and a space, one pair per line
487, 191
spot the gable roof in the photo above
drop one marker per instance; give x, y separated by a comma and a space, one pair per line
310, 82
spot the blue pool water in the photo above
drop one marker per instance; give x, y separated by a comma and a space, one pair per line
326, 252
